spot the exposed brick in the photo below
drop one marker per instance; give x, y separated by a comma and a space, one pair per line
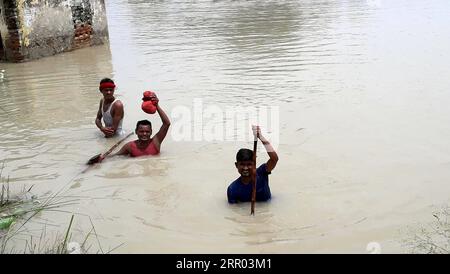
82, 35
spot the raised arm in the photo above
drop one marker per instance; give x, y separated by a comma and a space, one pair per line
159, 137
273, 156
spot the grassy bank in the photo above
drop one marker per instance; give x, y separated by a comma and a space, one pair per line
19, 207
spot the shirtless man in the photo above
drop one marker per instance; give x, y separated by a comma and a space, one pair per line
110, 109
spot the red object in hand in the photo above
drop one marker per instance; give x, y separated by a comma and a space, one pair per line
149, 105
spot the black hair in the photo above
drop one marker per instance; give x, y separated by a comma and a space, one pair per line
106, 80
244, 154
143, 123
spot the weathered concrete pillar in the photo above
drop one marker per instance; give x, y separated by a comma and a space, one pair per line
31, 29
9, 31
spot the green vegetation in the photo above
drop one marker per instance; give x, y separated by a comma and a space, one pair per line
16, 211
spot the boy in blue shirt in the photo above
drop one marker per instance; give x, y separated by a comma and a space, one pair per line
241, 189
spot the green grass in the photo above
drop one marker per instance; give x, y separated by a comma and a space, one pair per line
19, 208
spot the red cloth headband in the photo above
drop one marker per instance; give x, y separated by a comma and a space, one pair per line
107, 85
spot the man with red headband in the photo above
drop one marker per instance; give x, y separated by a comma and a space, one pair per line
110, 109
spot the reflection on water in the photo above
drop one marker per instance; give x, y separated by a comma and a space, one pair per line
362, 92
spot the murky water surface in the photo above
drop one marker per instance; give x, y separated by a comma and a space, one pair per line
362, 90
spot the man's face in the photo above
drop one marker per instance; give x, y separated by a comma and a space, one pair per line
144, 132
108, 93
244, 168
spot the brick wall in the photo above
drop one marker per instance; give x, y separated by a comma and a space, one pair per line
33, 29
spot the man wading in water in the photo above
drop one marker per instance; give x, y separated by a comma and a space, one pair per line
145, 145
241, 189
110, 109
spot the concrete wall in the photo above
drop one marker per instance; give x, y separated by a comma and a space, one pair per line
9, 31
31, 29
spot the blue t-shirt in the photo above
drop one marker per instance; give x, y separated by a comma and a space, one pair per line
240, 192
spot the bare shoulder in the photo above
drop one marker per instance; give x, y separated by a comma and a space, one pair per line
127, 146
118, 104
129, 143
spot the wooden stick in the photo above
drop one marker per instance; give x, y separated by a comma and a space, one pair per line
117, 144
94, 159
255, 146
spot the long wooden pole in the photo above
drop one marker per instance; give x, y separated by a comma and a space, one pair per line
255, 146
117, 144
